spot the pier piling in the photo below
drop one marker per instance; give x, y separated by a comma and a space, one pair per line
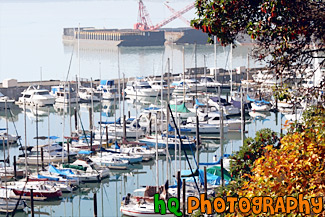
15, 168
32, 203
184, 197
95, 204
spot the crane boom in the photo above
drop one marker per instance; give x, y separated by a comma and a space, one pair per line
180, 17
173, 16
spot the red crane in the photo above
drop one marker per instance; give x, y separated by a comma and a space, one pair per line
144, 21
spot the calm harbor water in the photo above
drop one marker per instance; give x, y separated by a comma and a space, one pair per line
111, 190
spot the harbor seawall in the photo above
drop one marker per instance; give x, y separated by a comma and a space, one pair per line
223, 77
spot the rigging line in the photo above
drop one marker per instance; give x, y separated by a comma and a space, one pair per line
12, 119
66, 79
83, 129
14, 211
181, 142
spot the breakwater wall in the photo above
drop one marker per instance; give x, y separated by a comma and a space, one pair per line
223, 76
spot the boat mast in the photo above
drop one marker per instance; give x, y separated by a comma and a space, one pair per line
119, 78
37, 167
167, 121
206, 83
100, 113
184, 91
136, 110
7, 128
4, 162
92, 104
221, 135
4, 152
230, 69
48, 132
215, 58
157, 171
25, 128
77, 106
78, 54
70, 125
63, 123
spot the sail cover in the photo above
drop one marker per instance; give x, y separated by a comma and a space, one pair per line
180, 108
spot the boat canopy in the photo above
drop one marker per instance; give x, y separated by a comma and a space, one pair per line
48, 178
237, 104
172, 129
216, 170
257, 101
64, 172
107, 82
118, 121
216, 99
198, 103
211, 178
152, 108
85, 152
180, 108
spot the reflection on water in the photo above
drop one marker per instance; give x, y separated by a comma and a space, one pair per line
111, 190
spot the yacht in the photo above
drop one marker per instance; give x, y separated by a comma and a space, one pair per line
35, 96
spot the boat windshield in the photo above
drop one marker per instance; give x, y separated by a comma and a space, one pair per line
42, 93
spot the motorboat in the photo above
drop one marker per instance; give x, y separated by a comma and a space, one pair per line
141, 203
172, 141
159, 86
267, 77
115, 128
212, 84
111, 162
228, 108
64, 95
36, 96
52, 153
214, 118
140, 88
189, 85
260, 105
4, 137
147, 155
77, 174
88, 167
7, 204
88, 94
122, 156
108, 90
5, 100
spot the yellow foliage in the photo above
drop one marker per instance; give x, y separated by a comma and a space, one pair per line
298, 167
